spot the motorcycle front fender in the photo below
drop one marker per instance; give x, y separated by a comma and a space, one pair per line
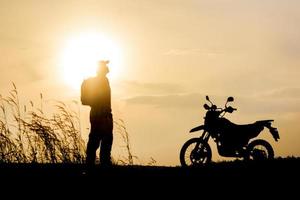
198, 128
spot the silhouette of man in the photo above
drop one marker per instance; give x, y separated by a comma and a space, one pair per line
101, 119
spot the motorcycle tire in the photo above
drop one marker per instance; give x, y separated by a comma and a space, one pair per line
193, 155
265, 152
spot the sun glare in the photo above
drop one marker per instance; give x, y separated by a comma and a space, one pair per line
82, 53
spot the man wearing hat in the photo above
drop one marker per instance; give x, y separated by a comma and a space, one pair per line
101, 119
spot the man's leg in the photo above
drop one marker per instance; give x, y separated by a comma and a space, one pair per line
105, 149
106, 142
92, 145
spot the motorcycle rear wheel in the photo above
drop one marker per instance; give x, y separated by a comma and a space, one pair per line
259, 150
195, 152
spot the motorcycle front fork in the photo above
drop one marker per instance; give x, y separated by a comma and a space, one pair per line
204, 137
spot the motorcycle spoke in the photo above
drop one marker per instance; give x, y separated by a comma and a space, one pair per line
195, 152
197, 155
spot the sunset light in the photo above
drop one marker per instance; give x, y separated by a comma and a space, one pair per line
181, 83
81, 54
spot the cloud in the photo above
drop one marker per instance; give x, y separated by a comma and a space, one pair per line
272, 104
192, 100
290, 47
245, 105
142, 88
23, 59
185, 52
284, 93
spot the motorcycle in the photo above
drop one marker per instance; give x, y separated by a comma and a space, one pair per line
232, 140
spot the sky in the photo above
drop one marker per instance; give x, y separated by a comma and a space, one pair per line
173, 53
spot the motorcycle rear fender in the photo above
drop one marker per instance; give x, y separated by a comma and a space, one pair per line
268, 124
198, 128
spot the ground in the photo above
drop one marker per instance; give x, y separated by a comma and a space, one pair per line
230, 176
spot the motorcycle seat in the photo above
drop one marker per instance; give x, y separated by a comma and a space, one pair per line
265, 121
243, 130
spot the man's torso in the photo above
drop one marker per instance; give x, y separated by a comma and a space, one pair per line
102, 104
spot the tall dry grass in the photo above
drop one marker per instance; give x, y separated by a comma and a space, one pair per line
28, 135
119, 127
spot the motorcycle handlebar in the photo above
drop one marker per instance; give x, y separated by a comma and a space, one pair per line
229, 109
226, 109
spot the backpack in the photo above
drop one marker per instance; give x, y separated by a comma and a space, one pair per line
88, 91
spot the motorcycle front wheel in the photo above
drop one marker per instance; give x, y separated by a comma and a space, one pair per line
259, 150
195, 152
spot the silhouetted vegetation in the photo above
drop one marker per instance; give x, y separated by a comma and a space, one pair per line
29, 135
121, 128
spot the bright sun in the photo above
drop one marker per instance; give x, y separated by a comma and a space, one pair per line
82, 53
